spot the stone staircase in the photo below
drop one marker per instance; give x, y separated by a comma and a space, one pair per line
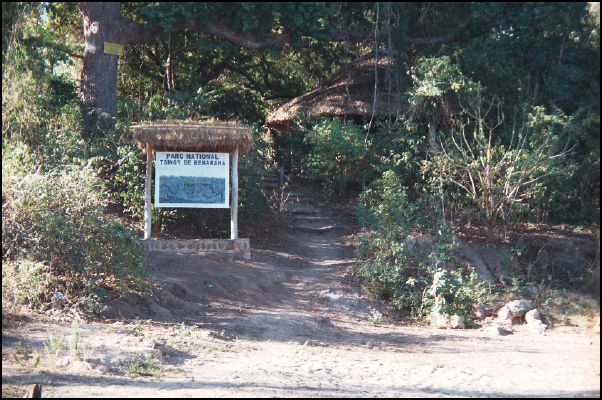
299, 204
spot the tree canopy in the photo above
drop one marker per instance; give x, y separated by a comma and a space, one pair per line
241, 60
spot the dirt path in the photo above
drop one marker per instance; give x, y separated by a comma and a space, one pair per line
288, 324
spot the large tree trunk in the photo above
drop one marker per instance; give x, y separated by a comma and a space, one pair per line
99, 72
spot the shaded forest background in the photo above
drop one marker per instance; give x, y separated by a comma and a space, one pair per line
499, 126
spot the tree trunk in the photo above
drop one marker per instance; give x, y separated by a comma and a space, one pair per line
99, 72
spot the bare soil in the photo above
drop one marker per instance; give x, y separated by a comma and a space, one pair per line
290, 322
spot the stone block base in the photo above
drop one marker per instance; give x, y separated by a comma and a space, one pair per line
227, 247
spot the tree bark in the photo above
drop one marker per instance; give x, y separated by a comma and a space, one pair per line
99, 72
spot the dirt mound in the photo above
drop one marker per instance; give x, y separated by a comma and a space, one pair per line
186, 286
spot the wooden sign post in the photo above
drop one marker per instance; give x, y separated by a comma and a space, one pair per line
147, 191
234, 199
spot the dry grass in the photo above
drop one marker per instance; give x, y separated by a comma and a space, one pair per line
208, 135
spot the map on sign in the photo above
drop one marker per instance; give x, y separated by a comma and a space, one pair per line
192, 180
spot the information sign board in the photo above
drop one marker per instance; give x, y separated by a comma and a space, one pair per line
192, 180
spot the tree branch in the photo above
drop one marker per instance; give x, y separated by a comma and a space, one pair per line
133, 32
242, 39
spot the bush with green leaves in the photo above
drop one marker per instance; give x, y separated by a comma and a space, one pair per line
129, 179
339, 154
390, 272
501, 178
26, 282
456, 292
405, 274
57, 220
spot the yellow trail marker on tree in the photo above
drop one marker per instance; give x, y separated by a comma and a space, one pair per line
113, 48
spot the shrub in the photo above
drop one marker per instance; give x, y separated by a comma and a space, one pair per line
57, 220
129, 179
26, 282
500, 178
417, 281
339, 155
391, 273
456, 292
144, 366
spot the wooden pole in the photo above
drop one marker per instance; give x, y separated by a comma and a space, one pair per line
234, 200
147, 191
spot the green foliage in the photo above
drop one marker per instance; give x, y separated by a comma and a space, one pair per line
58, 220
230, 102
433, 77
26, 282
457, 292
400, 147
385, 206
338, 154
54, 345
496, 176
129, 179
398, 271
144, 366
390, 272
376, 317
74, 341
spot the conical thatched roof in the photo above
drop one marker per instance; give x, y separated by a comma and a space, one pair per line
210, 135
350, 93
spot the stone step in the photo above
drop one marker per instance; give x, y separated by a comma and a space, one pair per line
310, 219
319, 228
299, 208
306, 197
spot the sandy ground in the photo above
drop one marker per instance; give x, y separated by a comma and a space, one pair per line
288, 323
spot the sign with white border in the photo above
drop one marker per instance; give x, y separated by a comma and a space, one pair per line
192, 180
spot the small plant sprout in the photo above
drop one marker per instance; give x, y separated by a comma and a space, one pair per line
74, 345
376, 317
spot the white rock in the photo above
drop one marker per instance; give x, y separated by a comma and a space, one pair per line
456, 322
533, 316
438, 320
504, 314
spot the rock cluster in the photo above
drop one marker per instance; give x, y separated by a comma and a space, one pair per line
439, 320
513, 313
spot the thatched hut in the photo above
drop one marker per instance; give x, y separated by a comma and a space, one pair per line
195, 136
349, 94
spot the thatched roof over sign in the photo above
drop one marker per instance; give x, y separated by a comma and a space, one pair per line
218, 136
349, 93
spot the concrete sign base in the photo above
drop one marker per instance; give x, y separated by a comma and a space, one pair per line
239, 248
